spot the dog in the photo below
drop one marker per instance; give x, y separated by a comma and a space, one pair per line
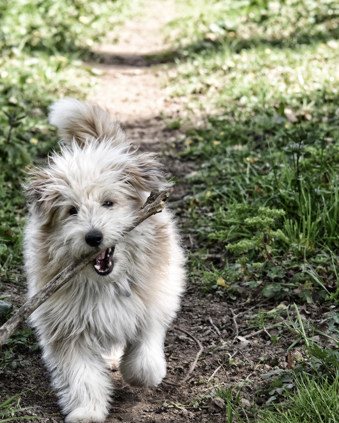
83, 201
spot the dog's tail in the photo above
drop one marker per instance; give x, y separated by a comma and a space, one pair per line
81, 122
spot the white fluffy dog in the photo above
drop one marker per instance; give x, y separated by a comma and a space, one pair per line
84, 200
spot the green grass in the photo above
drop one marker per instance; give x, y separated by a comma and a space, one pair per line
10, 408
260, 79
306, 393
265, 192
313, 385
310, 401
313, 402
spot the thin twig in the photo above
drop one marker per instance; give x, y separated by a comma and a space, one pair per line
201, 349
258, 332
154, 204
214, 326
193, 364
234, 317
214, 373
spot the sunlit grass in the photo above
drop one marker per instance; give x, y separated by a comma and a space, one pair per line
312, 403
264, 76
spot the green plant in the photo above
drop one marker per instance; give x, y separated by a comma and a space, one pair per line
14, 351
323, 361
10, 408
232, 399
306, 393
312, 402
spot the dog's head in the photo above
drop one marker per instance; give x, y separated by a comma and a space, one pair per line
88, 196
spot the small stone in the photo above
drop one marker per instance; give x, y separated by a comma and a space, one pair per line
245, 403
218, 402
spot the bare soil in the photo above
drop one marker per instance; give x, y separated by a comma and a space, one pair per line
234, 353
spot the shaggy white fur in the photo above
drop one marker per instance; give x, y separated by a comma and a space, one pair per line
82, 201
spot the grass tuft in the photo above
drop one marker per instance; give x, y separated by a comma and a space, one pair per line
313, 402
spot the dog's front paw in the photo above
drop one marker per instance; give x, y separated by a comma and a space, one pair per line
85, 415
143, 369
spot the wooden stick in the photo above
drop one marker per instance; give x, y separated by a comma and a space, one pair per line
154, 204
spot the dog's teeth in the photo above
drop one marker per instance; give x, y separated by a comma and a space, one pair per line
97, 267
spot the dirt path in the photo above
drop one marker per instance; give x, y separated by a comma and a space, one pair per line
130, 86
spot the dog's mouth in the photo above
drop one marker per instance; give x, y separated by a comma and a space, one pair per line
104, 263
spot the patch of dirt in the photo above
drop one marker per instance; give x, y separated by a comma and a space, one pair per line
235, 354
130, 88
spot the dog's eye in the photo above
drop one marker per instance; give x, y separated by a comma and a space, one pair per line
73, 210
107, 204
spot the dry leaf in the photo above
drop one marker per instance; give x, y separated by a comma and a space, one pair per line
221, 282
244, 343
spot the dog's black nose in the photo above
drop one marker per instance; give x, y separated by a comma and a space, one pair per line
94, 238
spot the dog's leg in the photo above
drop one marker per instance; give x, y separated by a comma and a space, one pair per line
143, 362
81, 378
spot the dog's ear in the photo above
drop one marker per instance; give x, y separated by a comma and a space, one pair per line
40, 193
145, 173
